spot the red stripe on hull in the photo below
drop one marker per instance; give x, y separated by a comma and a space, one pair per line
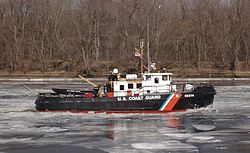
172, 102
115, 112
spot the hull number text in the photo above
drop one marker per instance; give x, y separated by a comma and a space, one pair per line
188, 95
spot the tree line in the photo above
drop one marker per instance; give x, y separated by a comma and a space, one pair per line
96, 35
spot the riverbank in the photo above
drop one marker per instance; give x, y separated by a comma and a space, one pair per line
187, 74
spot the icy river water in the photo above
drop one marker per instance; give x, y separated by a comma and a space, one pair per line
224, 127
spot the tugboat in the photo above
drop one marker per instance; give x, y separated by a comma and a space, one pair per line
152, 92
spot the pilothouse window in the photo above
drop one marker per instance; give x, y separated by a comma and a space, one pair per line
138, 85
148, 77
164, 77
156, 80
130, 86
121, 87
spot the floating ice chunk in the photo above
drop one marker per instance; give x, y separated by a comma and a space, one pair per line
203, 128
167, 145
121, 150
179, 136
203, 139
52, 129
246, 142
14, 140
149, 146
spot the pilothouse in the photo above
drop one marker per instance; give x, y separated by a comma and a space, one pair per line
131, 85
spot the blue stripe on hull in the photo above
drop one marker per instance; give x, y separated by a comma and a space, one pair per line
166, 102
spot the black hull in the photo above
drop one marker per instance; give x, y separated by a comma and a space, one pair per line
200, 97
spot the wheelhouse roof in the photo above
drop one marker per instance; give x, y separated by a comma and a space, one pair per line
158, 74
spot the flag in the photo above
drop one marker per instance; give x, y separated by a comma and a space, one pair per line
138, 54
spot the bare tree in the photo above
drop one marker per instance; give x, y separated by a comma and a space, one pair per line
95, 35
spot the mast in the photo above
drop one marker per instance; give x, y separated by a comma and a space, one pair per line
148, 44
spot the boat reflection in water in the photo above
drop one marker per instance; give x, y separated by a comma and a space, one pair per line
174, 122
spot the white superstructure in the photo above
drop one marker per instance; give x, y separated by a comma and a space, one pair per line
150, 83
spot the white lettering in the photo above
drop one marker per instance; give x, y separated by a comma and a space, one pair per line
188, 95
135, 98
153, 97
121, 99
